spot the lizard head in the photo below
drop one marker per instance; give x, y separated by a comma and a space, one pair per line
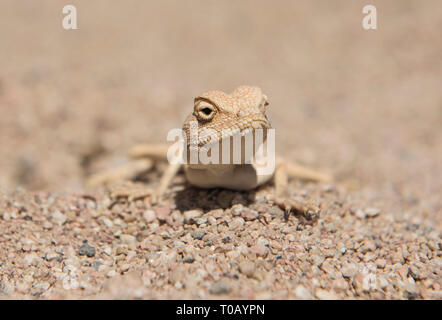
217, 115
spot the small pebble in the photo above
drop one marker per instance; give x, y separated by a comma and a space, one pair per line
149, 216
199, 234
220, 287
108, 223
302, 293
51, 256
162, 213
349, 270
58, 218
86, 250
249, 215
236, 210
260, 250
188, 259
247, 268
191, 216
372, 212
42, 286
201, 220
317, 259
236, 223
360, 214
325, 295
128, 239
125, 267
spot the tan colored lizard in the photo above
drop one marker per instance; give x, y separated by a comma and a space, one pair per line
226, 115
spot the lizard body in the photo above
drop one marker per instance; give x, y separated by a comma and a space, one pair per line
218, 116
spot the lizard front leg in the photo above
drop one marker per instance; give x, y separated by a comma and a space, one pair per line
166, 178
157, 152
143, 158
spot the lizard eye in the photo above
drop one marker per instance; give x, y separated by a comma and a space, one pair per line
205, 112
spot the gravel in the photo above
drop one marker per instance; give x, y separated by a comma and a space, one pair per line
235, 257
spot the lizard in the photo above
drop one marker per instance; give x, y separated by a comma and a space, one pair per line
244, 110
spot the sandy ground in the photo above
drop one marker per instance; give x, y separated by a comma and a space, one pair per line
363, 105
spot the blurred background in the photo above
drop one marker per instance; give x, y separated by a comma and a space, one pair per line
364, 105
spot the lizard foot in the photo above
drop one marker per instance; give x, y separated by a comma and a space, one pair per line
309, 212
128, 190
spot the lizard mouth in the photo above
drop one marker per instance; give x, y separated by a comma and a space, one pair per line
200, 134
233, 141
208, 136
